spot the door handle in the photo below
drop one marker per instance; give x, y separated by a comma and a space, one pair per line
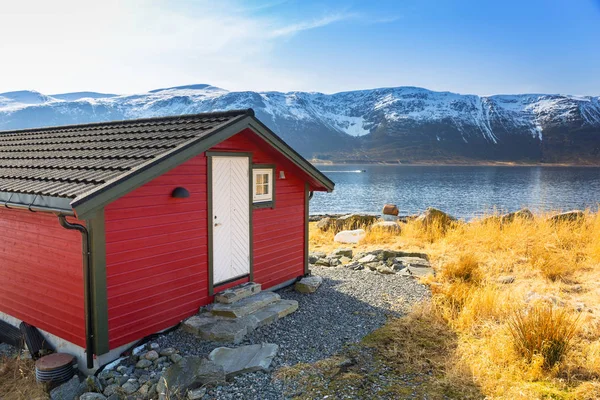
218, 224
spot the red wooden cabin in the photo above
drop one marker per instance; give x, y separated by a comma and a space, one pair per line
167, 211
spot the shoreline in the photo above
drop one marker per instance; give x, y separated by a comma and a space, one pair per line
452, 164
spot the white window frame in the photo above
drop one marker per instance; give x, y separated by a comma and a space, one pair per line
263, 198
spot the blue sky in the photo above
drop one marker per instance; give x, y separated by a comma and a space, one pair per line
480, 47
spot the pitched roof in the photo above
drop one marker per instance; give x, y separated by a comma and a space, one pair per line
77, 161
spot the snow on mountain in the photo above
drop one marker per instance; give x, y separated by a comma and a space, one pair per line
383, 122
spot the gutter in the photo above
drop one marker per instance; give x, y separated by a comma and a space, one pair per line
62, 220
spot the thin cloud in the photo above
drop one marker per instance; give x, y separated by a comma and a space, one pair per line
307, 25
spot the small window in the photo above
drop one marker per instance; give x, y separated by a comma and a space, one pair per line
263, 185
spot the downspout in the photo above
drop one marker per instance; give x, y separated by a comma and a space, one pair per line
89, 324
310, 195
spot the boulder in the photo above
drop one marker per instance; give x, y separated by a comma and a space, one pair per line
309, 284
435, 216
325, 224
354, 221
143, 363
341, 252
151, 355
569, 216
521, 214
244, 359
196, 394
130, 387
350, 236
387, 226
188, 374
92, 384
390, 209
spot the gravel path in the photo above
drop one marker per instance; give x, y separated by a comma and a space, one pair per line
348, 305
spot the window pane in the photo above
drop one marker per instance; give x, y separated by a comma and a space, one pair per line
259, 179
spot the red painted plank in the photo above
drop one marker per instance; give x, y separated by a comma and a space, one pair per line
41, 273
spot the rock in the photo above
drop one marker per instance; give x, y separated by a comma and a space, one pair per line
160, 360
245, 306
153, 346
111, 389
151, 355
334, 262
341, 252
315, 255
416, 272
505, 280
92, 396
390, 209
237, 293
143, 363
345, 260
323, 262
68, 390
416, 262
310, 284
130, 387
145, 390
325, 224
239, 360
188, 374
387, 226
196, 394
176, 358
384, 269
368, 259
354, 222
435, 216
355, 266
521, 214
569, 216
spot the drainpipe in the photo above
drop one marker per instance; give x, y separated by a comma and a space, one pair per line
310, 195
89, 325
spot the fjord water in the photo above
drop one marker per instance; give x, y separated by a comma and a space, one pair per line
463, 191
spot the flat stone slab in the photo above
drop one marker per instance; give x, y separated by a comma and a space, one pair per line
245, 306
416, 262
237, 293
416, 271
233, 330
240, 360
210, 327
310, 284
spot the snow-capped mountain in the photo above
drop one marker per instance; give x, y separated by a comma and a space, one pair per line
388, 124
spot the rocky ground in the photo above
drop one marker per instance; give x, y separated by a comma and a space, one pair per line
348, 305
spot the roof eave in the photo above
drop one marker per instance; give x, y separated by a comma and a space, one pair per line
87, 204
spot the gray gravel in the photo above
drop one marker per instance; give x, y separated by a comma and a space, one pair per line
348, 305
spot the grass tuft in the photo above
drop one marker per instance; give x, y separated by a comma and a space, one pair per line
542, 331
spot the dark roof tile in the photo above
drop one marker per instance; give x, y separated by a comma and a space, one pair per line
70, 160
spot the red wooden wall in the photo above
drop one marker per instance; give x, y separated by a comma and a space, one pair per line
41, 273
156, 261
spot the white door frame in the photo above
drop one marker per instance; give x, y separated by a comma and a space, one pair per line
209, 156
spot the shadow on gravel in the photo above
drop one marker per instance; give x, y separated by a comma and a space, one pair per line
348, 306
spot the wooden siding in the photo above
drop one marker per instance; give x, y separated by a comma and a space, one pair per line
157, 261
156, 254
278, 234
41, 273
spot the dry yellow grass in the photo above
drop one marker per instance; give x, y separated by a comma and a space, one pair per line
17, 380
556, 267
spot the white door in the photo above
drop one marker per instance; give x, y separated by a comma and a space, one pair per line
230, 218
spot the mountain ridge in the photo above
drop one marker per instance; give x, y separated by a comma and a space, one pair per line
395, 124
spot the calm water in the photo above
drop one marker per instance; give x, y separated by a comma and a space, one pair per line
463, 191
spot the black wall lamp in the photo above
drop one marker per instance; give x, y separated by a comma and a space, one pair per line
180, 193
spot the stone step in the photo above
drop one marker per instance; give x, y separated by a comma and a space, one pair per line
245, 306
233, 330
237, 293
